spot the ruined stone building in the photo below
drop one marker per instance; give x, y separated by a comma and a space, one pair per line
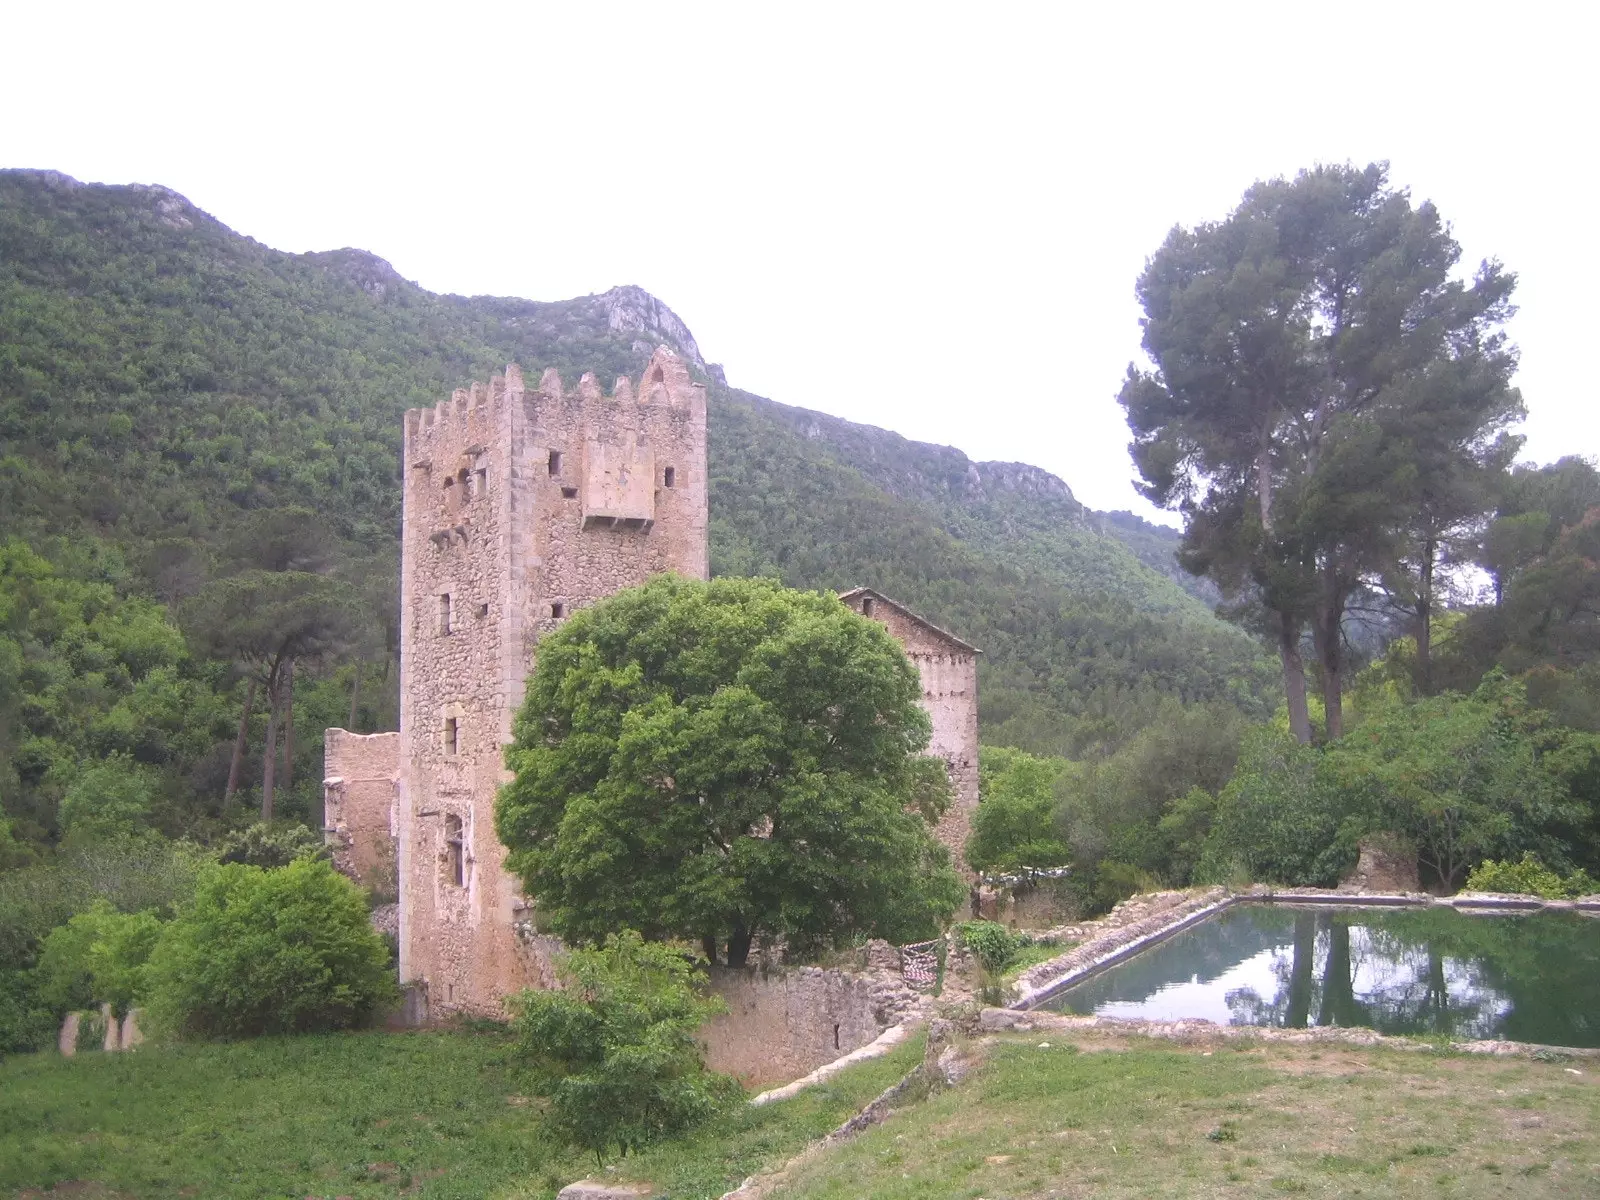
522, 505
949, 670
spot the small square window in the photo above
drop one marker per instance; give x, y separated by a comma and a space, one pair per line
555, 462
669, 477
451, 735
558, 610
569, 493
483, 610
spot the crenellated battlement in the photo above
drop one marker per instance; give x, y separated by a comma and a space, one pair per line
666, 382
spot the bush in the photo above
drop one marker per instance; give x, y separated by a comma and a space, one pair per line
98, 957
109, 801
992, 943
26, 1022
283, 951
1014, 829
616, 1052
1282, 818
1530, 877
132, 876
270, 845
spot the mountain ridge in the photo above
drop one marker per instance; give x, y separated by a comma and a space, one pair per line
163, 377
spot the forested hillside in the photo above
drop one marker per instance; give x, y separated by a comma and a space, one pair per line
180, 404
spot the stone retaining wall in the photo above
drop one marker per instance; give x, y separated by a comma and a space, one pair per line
784, 1023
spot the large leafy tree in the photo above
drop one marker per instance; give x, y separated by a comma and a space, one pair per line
722, 761
1324, 392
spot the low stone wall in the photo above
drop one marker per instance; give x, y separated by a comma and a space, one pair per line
785, 1022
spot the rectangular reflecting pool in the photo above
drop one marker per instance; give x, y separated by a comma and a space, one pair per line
1530, 977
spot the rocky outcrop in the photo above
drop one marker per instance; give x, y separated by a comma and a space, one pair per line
1387, 863
631, 309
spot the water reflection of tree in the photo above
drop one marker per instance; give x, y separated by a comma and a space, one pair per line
1317, 936
1533, 978
1436, 971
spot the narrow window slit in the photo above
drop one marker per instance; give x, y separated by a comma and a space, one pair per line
455, 851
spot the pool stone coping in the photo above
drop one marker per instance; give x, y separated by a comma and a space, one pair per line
1119, 942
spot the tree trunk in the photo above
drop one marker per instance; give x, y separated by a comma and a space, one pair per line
270, 757
738, 945
288, 725
239, 743
709, 944
1294, 682
1301, 978
1338, 983
1294, 669
1430, 547
355, 697
1327, 635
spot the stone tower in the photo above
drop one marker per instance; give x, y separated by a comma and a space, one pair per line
521, 506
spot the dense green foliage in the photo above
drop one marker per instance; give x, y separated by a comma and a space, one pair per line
722, 762
282, 951
176, 400
1464, 778
1328, 406
1014, 830
615, 1050
1528, 877
98, 957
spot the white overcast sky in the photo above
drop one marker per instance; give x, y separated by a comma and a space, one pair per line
922, 216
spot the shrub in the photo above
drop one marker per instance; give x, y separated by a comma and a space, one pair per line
26, 1022
282, 951
109, 801
615, 1051
992, 943
1530, 877
271, 845
98, 957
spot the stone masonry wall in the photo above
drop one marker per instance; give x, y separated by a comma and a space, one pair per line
949, 671
785, 1024
360, 800
521, 506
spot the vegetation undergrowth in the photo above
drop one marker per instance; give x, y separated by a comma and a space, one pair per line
431, 1115
1041, 1118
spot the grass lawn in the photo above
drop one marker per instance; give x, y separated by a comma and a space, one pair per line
1109, 1118
356, 1115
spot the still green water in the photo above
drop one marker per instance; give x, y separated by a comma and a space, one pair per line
1533, 977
